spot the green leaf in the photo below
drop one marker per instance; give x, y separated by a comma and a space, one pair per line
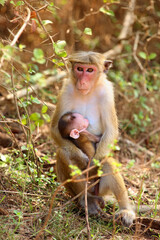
143, 55
32, 126
44, 109
21, 47
152, 56
111, 1
61, 44
59, 48
35, 116
99, 172
24, 121
88, 31
38, 53
105, 11
8, 52
51, 4
12, 2
96, 162
75, 170
18, 213
62, 54
39, 122
58, 62
155, 165
40, 61
2, 2
35, 100
46, 117
38, 56
45, 22
19, 3
1, 46
51, 169
24, 148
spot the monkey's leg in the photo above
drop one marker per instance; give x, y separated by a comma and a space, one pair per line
74, 188
64, 172
113, 181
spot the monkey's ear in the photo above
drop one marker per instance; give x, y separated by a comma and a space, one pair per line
74, 134
107, 65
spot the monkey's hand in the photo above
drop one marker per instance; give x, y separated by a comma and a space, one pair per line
127, 216
79, 158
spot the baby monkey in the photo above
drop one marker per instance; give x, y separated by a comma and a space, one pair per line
73, 126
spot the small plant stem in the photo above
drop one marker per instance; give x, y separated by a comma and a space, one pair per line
86, 203
10, 131
15, 100
22, 28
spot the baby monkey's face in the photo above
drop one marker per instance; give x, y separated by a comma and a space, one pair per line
77, 121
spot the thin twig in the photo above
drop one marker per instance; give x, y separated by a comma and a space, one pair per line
10, 120
39, 19
87, 15
16, 104
31, 88
148, 135
45, 30
22, 28
15, 39
92, 13
28, 194
134, 52
79, 194
10, 132
128, 20
137, 146
40, 9
86, 203
127, 23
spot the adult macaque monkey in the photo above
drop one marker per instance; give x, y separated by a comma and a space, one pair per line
88, 92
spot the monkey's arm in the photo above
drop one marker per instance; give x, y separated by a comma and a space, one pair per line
63, 106
55, 134
109, 123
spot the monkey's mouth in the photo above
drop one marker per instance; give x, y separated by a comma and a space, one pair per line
83, 91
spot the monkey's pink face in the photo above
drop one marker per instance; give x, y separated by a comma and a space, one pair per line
78, 121
85, 75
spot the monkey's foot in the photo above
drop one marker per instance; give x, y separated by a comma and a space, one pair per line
93, 208
127, 216
95, 203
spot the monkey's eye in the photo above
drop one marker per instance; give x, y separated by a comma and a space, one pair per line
90, 70
73, 117
80, 69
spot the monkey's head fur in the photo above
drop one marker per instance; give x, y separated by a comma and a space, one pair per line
90, 58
